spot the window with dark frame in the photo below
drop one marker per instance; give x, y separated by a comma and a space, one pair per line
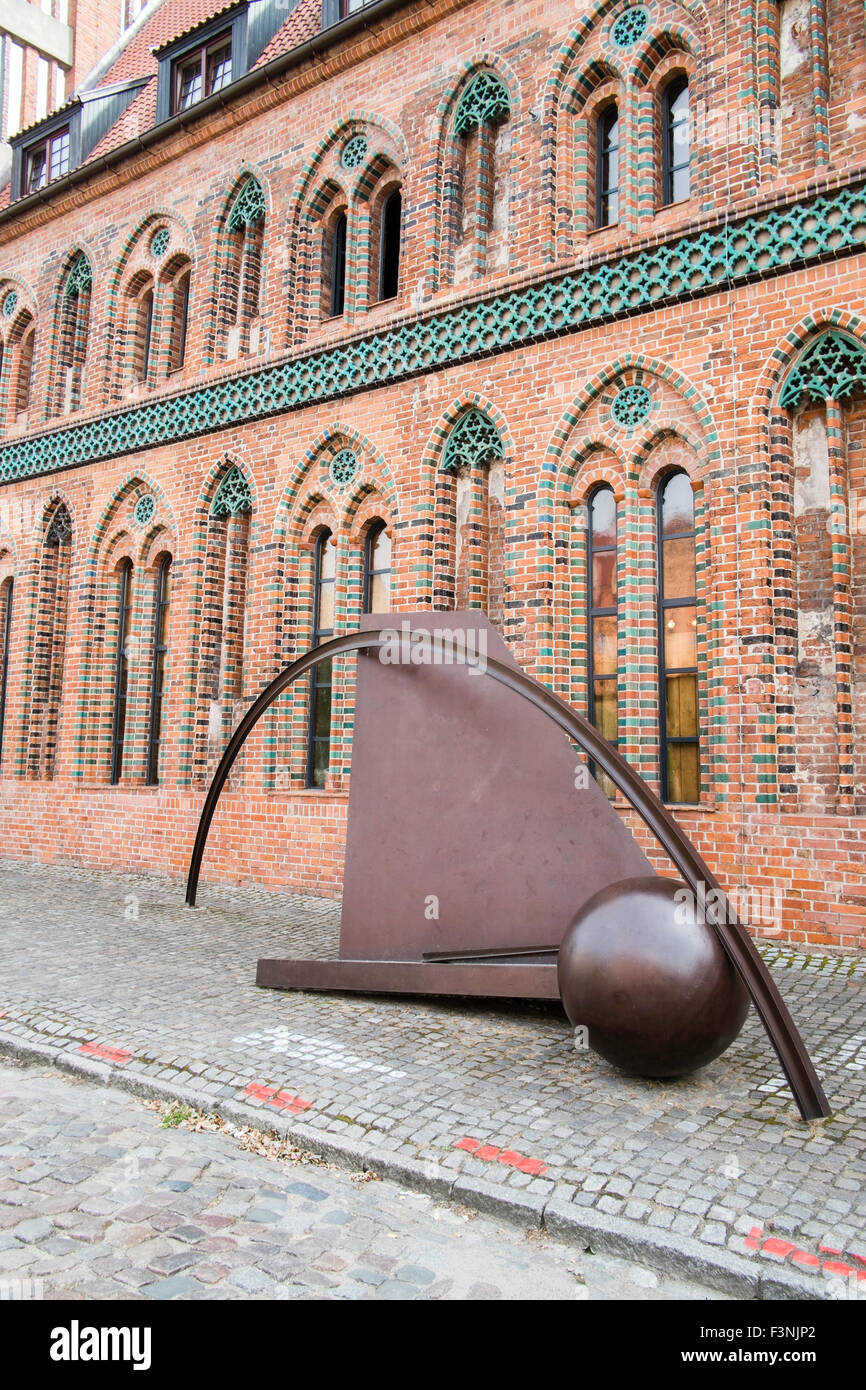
319, 730
180, 320
121, 669
337, 300
5, 642
202, 72
680, 773
607, 167
676, 158
46, 161
602, 621
145, 310
389, 245
377, 569
157, 678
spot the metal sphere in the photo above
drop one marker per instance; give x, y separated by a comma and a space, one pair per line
649, 979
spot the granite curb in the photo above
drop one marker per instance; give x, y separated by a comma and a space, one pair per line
665, 1251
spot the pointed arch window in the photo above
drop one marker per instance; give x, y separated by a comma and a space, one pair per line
607, 167
484, 107
121, 668
677, 629
176, 292
470, 548
242, 272
377, 569
676, 140
473, 441
22, 347
319, 727
833, 367
157, 675
5, 646
141, 330
334, 266
74, 322
602, 646
223, 623
389, 245
49, 651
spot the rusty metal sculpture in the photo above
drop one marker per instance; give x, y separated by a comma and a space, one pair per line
512, 952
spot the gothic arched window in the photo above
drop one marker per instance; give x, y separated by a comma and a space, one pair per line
5, 645
678, 654
242, 272
676, 133
607, 167
483, 109
319, 728
377, 569
390, 226
121, 667
157, 675
50, 643
73, 327
601, 606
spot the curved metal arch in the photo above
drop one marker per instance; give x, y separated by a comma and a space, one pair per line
735, 939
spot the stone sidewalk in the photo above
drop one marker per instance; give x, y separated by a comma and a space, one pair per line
712, 1177
101, 1198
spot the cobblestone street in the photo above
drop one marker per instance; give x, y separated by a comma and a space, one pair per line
99, 1200
712, 1178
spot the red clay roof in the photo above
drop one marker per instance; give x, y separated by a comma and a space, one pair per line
303, 23
173, 19
138, 117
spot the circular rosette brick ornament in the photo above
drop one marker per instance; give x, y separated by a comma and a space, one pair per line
354, 152
344, 468
630, 26
643, 971
145, 509
631, 407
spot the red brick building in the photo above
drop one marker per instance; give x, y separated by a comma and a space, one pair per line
555, 311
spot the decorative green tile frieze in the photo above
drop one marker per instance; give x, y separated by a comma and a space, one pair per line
758, 246
833, 368
485, 102
249, 206
473, 441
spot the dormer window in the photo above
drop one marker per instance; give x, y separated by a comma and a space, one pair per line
203, 61
47, 160
201, 73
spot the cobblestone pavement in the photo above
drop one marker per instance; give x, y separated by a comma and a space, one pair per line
99, 1200
712, 1177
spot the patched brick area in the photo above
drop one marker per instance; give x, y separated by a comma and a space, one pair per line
449, 1095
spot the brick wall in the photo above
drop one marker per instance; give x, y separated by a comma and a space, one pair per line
779, 596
